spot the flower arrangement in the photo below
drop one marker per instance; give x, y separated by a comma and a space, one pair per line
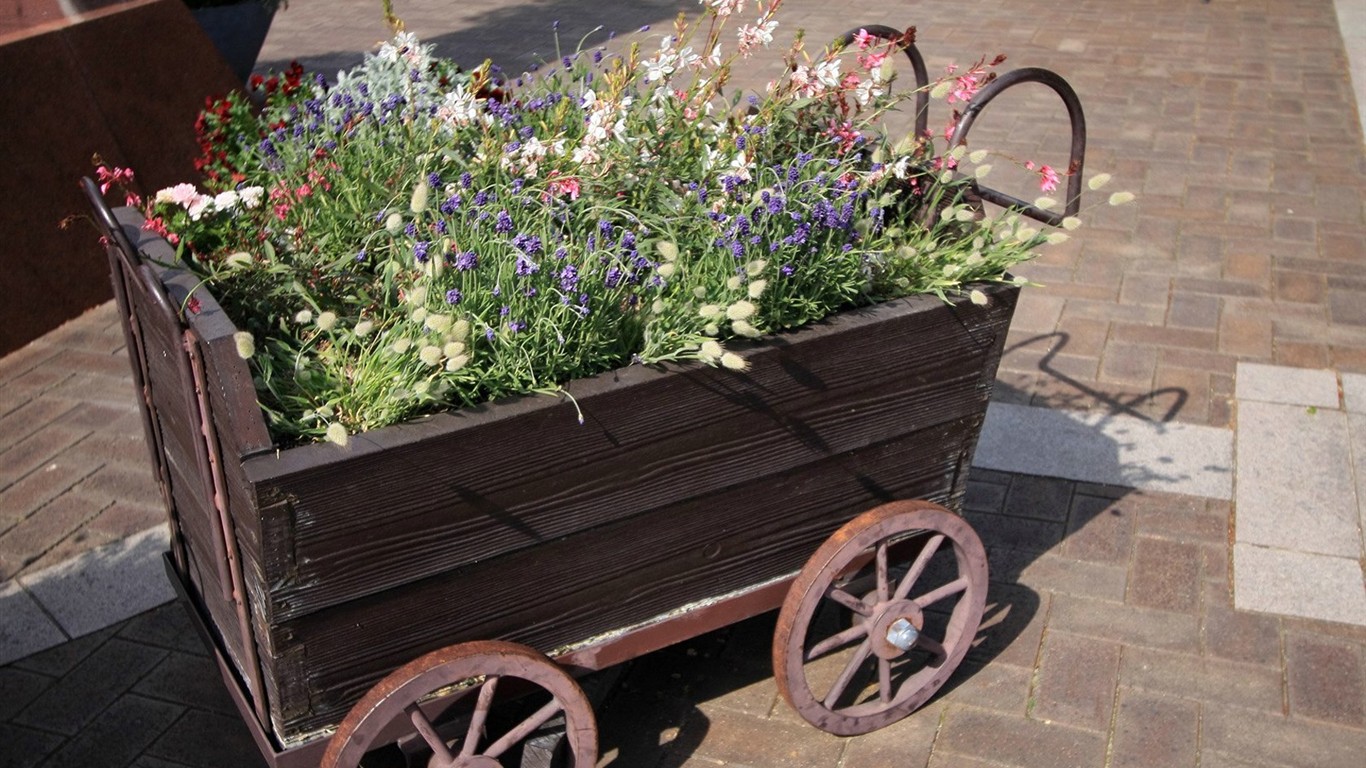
411, 237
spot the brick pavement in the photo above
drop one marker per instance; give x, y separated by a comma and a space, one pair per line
1110, 639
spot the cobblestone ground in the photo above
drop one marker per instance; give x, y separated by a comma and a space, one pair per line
1110, 640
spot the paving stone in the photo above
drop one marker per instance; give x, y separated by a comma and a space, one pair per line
907, 742
776, 743
1298, 584
1326, 678
1015, 532
1019, 741
207, 739
24, 628
106, 585
1263, 737
1055, 573
17, 688
1044, 498
1152, 730
1253, 638
1291, 386
1076, 681
167, 626
1099, 529
1288, 459
1128, 624
94, 684
61, 659
1165, 575
120, 733
1002, 687
1012, 627
42, 530
1208, 680
25, 747
1100, 448
1354, 392
187, 679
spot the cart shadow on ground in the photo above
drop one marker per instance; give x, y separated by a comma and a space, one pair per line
669, 706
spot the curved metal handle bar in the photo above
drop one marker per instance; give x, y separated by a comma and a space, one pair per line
1075, 160
922, 77
104, 217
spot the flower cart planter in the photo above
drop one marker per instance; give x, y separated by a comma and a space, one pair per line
356, 595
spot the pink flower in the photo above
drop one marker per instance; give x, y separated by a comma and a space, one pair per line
863, 39
563, 185
110, 176
1048, 179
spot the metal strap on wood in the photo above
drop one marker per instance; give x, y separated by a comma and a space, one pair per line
133, 276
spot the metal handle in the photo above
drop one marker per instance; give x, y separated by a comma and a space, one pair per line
1074, 162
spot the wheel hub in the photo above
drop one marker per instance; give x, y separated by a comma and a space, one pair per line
476, 761
894, 628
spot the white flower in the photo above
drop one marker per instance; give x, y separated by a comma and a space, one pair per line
828, 73
756, 35
251, 196
225, 201
199, 206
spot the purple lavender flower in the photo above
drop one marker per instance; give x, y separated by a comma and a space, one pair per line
504, 224
525, 266
420, 251
466, 179
454, 296
569, 278
466, 260
434, 180
504, 310
613, 278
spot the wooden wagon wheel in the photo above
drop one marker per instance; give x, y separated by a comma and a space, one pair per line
895, 570
484, 664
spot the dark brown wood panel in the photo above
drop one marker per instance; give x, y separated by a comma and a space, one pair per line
385, 518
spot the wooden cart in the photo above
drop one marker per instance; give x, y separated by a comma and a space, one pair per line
399, 589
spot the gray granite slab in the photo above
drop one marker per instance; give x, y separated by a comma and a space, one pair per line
1279, 384
1104, 448
105, 585
1295, 480
1298, 584
1354, 392
24, 628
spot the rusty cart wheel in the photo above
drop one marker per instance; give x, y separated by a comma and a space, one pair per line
484, 669
878, 619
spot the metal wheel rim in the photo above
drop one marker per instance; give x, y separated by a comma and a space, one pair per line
811, 589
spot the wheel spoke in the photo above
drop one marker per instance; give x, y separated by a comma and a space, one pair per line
883, 590
837, 641
884, 680
952, 588
848, 601
481, 714
847, 675
428, 732
918, 567
924, 642
524, 729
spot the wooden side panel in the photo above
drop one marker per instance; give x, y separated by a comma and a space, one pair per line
422, 499
614, 576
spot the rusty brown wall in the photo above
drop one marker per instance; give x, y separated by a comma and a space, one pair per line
125, 82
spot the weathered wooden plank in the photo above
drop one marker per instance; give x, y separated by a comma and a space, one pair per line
615, 575
480, 489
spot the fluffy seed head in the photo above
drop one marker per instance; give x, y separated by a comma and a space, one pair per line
1098, 181
733, 361
430, 354
303, 317
756, 288
327, 321
418, 203
336, 433
246, 344
364, 327
394, 224
740, 310
1120, 198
